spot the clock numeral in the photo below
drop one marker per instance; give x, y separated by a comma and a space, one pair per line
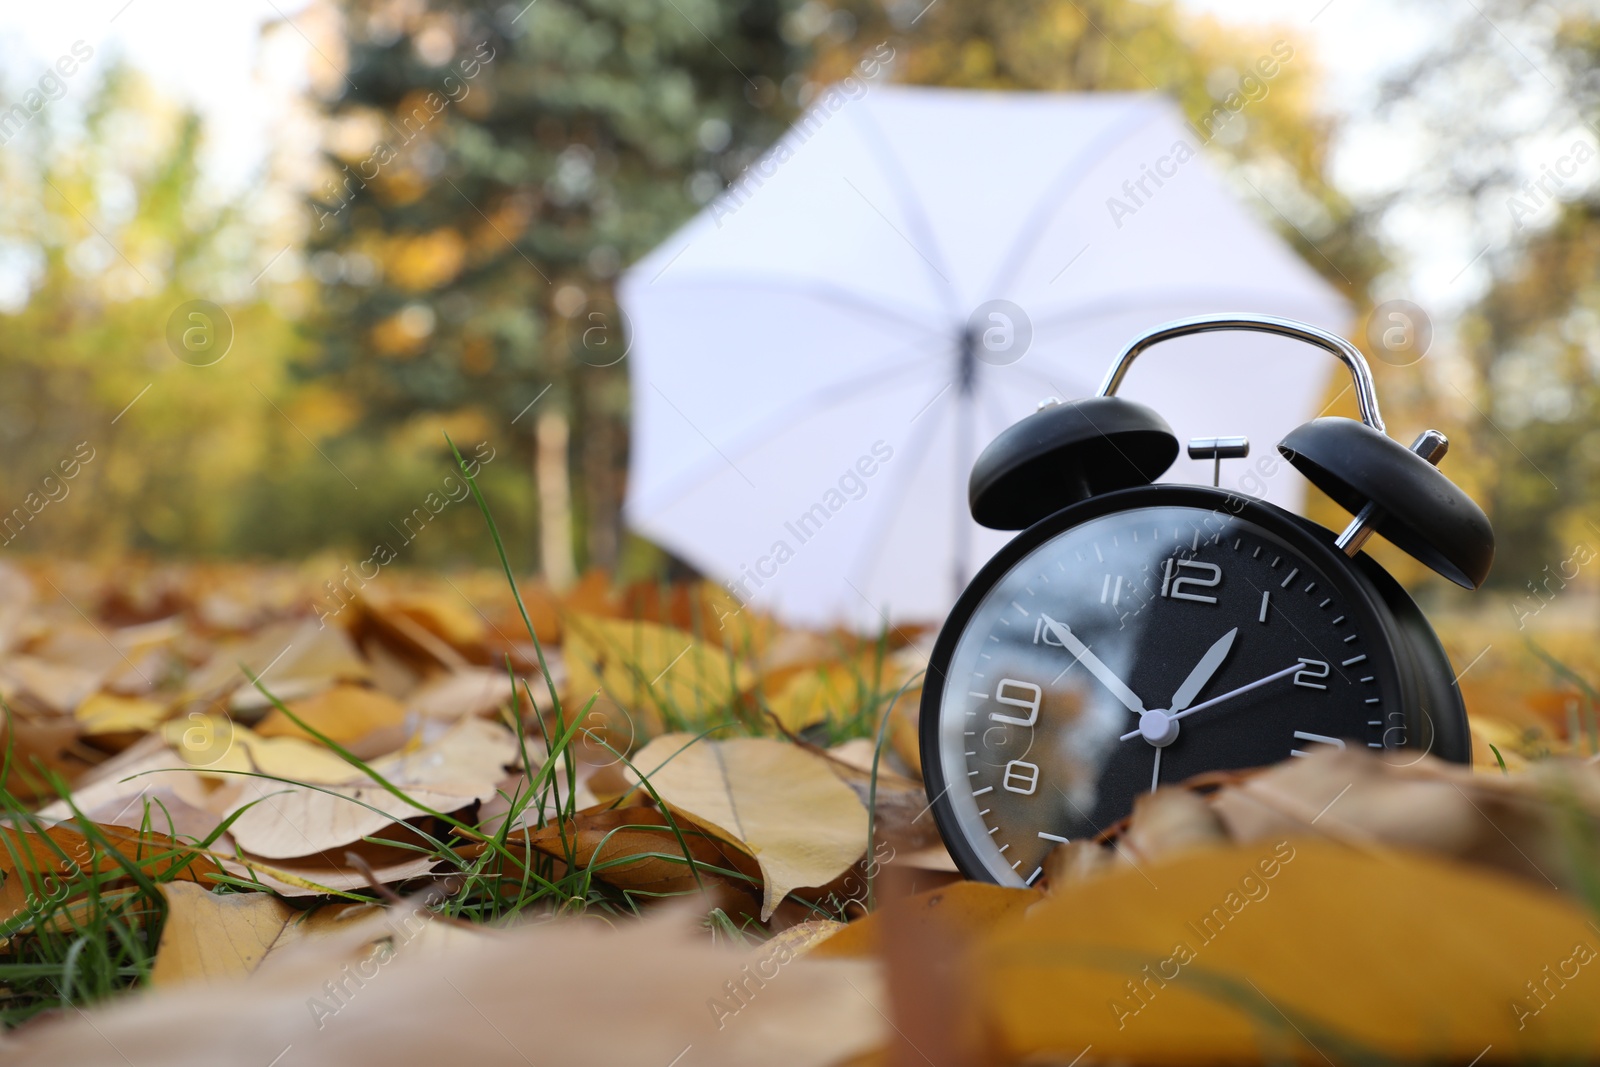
1314, 669
1173, 583
1021, 777
1321, 739
1031, 702
1043, 635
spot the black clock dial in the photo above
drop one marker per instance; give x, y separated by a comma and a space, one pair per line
1140, 646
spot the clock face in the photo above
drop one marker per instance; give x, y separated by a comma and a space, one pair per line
1138, 648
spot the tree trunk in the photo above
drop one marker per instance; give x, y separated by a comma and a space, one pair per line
555, 498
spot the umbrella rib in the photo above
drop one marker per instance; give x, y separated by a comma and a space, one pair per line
800, 407
889, 165
1056, 194
893, 494
822, 293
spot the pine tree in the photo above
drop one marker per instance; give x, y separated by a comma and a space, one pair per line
492, 169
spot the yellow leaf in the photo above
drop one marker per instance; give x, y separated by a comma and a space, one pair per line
215, 938
643, 667
218, 748
1296, 951
211, 936
107, 713
782, 804
968, 908
452, 772
363, 720
831, 691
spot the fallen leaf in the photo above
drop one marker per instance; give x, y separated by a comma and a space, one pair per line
362, 720
293, 659
835, 691
210, 936
972, 908
635, 849
105, 713
570, 993
753, 792
291, 820
60, 687
1295, 951
45, 863
656, 671
219, 748
472, 691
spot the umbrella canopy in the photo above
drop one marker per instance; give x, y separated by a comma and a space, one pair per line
818, 357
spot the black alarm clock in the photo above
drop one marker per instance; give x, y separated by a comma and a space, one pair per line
1135, 634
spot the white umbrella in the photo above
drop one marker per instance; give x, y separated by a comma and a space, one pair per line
818, 357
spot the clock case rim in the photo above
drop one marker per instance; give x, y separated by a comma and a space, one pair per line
1427, 678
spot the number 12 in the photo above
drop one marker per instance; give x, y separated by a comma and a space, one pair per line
1172, 583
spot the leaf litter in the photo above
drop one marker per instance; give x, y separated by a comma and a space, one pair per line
658, 825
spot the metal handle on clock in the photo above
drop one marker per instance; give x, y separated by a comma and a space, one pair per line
1344, 351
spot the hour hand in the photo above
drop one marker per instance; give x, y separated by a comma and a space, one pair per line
1203, 671
1107, 678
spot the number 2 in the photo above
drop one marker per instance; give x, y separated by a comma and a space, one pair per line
1172, 584
1314, 668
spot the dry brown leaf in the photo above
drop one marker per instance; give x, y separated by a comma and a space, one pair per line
42, 864
431, 993
473, 691
211, 937
751, 791
293, 659
831, 691
459, 769
1292, 951
1520, 825
207, 936
635, 849
973, 908
60, 687
334, 871
655, 672
362, 720
52, 742
220, 749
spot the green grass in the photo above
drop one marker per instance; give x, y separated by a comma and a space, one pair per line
92, 929
90, 920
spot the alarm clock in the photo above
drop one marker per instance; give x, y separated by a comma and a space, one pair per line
1135, 634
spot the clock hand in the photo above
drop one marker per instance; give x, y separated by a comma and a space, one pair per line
1070, 642
1203, 671
1155, 775
1164, 731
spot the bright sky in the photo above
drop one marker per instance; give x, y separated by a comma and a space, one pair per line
213, 53
209, 52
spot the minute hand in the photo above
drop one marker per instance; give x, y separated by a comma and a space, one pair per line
1257, 684
1118, 689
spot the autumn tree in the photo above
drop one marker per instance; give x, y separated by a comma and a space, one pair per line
491, 169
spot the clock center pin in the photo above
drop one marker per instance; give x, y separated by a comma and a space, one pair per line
1158, 728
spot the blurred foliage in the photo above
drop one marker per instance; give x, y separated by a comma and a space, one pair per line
488, 169
1509, 100
167, 456
491, 170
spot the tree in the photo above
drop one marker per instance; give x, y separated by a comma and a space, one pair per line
493, 169
117, 435
1506, 106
